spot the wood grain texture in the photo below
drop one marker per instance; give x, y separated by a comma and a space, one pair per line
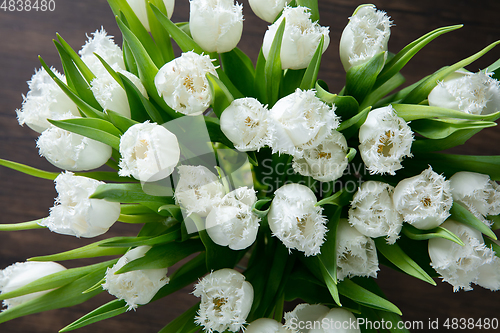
24, 35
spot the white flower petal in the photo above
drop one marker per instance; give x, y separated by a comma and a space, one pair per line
268, 10
105, 47
139, 8
266, 325
303, 313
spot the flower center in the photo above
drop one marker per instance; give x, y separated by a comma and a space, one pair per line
385, 144
140, 150
325, 155
251, 123
426, 202
219, 302
189, 83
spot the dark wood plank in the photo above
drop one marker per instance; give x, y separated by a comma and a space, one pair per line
24, 35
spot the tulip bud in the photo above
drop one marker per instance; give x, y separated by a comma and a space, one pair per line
198, 190
372, 211
385, 139
327, 161
477, 192
295, 220
462, 265
45, 100
300, 121
266, 325
135, 287
105, 47
226, 300
216, 25
366, 35
474, 93
304, 313
139, 8
300, 38
232, 223
267, 10
70, 151
183, 84
356, 253
110, 94
424, 200
149, 152
20, 274
74, 213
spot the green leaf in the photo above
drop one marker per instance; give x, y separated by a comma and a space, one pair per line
29, 170
119, 121
411, 112
346, 106
453, 140
351, 125
163, 256
272, 70
438, 232
377, 93
423, 90
215, 133
311, 74
341, 198
360, 79
108, 310
239, 69
176, 325
442, 128
88, 251
159, 33
401, 260
260, 78
127, 193
461, 214
401, 59
143, 240
82, 67
313, 8
93, 128
494, 245
21, 226
291, 81
365, 297
221, 95
128, 58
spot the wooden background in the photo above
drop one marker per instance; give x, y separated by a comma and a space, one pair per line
24, 35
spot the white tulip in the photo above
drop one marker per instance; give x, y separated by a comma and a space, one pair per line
74, 213
139, 8
70, 151
149, 152
110, 94
338, 320
474, 93
183, 84
226, 300
245, 123
232, 223
216, 25
20, 274
45, 100
372, 211
462, 265
366, 35
198, 189
135, 287
477, 192
385, 139
305, 313
268, 10
300, 39
424, 200
295, 220
300, 121
105, 47
266, 325
327, 161
356, 253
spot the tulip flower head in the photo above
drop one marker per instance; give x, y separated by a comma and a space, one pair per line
325, 162
45, 100
226, 300
303, 313
70, 151
198, 189
136, 287
104, 45
460, 265
424, 200
75, 213
20, 274
183, 84
149, 152
356, 253
268, 10
477, 192
300, 38
300, 121
245, 123
232, 223
372, 211
366, 35
295, 220
216, 25
385, 139
266, 325
474, 93
139, 8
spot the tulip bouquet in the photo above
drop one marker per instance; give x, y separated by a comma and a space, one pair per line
260, 184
